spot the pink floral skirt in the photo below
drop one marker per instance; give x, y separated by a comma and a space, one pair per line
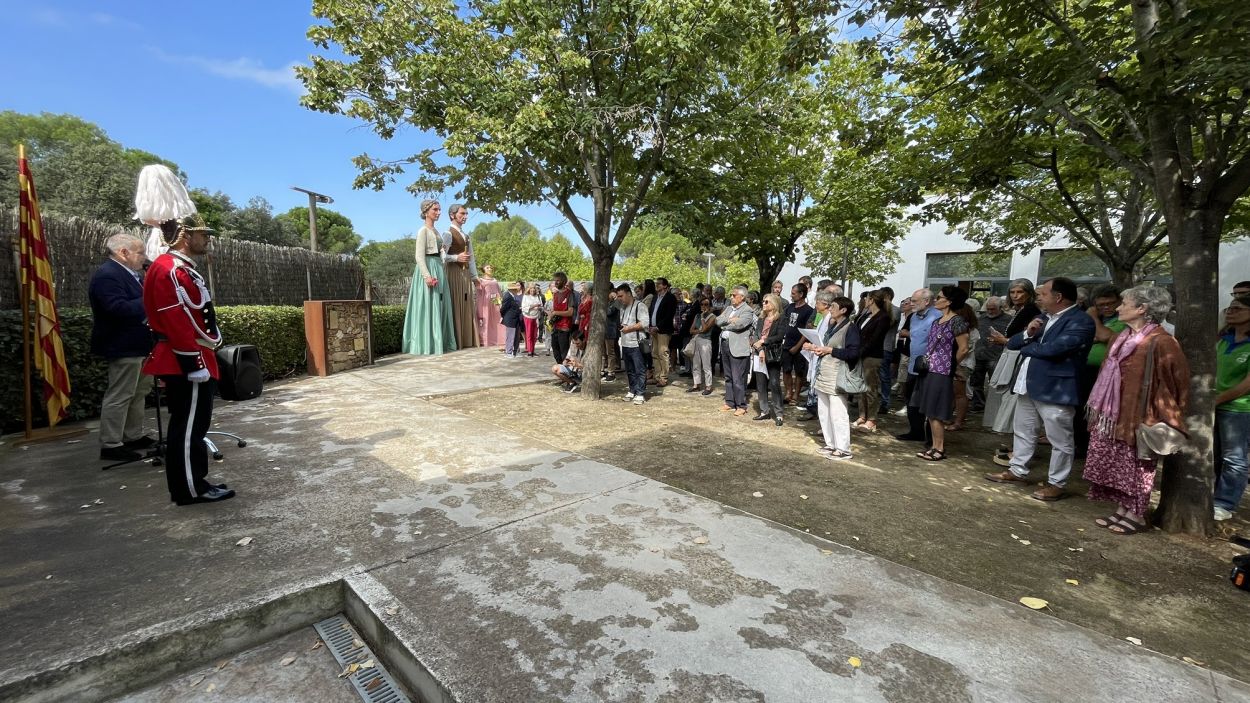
1116, 474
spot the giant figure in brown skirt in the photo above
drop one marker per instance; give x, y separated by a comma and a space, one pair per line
461, 278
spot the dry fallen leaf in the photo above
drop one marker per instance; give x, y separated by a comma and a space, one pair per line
243, 542
965, 489
1195, 662
1015, 537
1025, 542
1076, 549
1134, 640
198, 680
700, 540
854, 538
367, 664
222, 665
1072, 582
757, 494
1034, 603
854, 661
349, 670
356, 643
393, 610
211, 687
287, 661
802, 497
48, 577
316, 645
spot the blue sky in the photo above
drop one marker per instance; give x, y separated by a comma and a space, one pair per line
210, 86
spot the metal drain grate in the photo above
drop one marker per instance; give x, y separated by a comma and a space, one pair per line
372, 683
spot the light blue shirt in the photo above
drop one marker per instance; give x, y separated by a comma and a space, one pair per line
921, 323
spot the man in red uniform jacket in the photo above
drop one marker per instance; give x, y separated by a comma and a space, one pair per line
181, 315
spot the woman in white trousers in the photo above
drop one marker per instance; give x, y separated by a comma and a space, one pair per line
840, 343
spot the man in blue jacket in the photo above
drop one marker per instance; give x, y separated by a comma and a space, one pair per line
120, 334
1054, 347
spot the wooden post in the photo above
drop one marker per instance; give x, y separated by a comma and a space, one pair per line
27, 349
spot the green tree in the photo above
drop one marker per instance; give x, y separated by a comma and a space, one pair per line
78, 170
788, 152
487, 231
213, 207
389, 262
1158, 89
335, 233
536, 100
255, 222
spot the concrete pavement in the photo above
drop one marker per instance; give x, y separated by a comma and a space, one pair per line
512, 570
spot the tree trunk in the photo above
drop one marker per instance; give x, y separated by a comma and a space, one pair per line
1121, 277
592, 361
1188, 477
769, 269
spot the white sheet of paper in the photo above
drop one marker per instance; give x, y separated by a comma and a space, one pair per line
811, 336
757, 365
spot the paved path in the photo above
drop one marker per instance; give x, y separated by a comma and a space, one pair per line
519, 571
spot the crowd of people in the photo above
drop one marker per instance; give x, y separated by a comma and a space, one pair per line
1098, 377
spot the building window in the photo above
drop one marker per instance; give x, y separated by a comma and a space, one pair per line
982, 274
1080, 265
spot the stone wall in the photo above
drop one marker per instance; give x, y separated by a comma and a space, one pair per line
347, 335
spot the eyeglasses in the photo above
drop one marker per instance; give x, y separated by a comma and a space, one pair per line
1235, 308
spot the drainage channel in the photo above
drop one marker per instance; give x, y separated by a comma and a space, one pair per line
359, 664
289, 645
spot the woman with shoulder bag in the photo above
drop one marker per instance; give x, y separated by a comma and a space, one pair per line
837, 354
934, 396
770, 331
1144, 381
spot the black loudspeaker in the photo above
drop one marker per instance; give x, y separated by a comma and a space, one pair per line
241, 378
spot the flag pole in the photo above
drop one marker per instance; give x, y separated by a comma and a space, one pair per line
29, 435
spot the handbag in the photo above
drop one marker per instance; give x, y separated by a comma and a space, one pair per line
851, 379
688, 350
1159, 439
922, 365
772, 353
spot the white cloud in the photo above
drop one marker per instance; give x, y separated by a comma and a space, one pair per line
53, 17
245, 69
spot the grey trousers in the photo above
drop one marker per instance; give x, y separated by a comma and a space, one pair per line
121, 412
1031, 416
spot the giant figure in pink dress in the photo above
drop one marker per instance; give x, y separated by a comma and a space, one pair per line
490, 329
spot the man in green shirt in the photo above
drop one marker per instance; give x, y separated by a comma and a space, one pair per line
1232, 408
1106, 326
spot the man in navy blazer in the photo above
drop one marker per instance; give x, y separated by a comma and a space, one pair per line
510, 317
1053, 348
120, 334
662, 311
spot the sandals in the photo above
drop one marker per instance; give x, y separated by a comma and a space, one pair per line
1126, 527
932, 455
1109, 520
954, 427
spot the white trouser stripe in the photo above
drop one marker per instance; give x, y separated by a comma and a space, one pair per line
186, 439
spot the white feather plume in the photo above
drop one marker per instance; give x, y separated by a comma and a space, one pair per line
160, 196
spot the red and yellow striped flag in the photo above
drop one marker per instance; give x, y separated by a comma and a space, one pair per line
37, 287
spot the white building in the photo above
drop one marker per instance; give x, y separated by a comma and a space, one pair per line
933, 258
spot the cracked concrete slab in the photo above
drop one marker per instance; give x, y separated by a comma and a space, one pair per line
520, 571
648, 593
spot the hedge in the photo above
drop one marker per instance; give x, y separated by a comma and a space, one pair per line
277, 331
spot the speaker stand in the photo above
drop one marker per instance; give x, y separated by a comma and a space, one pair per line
212, 446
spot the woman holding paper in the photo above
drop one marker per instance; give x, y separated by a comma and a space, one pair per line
841, 342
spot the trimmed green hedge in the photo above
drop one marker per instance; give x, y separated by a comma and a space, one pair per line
388, 329
88, 374
277, 331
